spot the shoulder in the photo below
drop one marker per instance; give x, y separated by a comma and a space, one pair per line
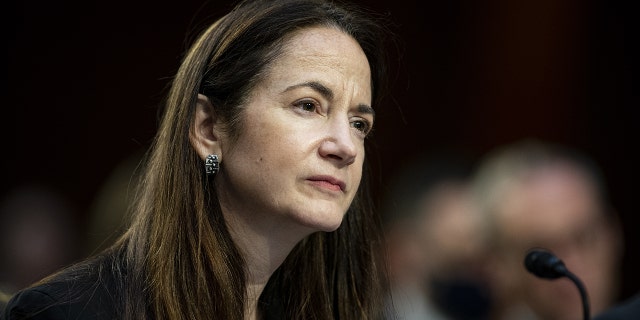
628, 310
83, 291
34, 303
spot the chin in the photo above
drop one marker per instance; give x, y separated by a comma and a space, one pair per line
322, 223
333, 227
313, 215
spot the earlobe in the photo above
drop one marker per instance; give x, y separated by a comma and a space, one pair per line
202, 135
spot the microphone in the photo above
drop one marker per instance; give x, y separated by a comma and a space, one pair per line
546, 265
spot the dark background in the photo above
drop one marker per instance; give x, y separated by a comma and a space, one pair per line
82, 81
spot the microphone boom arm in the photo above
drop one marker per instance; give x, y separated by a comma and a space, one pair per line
544, 264
583, 294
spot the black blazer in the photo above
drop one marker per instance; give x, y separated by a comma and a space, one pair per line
92, 290
85, 291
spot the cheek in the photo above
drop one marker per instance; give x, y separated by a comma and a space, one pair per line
356, 173
268, 144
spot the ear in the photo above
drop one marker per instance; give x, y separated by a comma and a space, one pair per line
203, 136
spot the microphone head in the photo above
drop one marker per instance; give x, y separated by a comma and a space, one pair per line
544, 264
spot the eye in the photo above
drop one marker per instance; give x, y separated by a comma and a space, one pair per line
362, 125
306, 105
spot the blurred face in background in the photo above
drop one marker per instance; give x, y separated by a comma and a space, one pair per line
558, 209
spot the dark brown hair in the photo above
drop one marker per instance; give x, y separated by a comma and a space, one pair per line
181, 262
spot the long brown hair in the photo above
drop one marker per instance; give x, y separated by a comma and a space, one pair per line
179, 258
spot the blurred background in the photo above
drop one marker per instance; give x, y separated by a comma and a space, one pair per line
81, 83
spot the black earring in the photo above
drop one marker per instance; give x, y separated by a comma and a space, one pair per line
211, 164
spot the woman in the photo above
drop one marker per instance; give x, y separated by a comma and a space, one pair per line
251, 205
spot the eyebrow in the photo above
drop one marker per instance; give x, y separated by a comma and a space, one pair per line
328, 94
365, 109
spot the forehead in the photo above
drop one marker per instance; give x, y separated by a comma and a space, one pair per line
550, 201
321, 40
321, 51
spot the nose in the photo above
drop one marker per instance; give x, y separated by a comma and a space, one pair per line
339, 144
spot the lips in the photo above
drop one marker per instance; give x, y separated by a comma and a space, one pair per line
328, 182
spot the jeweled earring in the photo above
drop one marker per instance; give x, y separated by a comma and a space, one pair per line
211, 164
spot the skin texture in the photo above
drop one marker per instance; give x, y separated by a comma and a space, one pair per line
297, 163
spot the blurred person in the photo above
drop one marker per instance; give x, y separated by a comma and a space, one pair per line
4, 298
628, 309
537, 194
38, 235
432, 243
254, 200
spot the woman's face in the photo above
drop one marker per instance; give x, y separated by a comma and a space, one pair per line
298, 159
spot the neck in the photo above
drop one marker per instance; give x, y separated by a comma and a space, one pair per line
251, 311
264, 245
